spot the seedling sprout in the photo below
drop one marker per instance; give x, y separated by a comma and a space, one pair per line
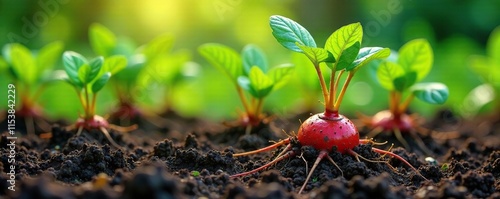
249, 72
399, 75
88, 78
31, 72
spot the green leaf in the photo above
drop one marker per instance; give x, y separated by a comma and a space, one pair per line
493, 46
404, 82
348, 56
102, 40
317, 55
433, 93
417, 56
95, 67
344, 38
368, 54
159, 46
23, 64
289, 32
260, 82
88, 72
281, 74
100, 82
253, 56
49, 55
114, 64
72, 63
387, 72
223, 58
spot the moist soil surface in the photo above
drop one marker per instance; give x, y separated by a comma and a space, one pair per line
189, 158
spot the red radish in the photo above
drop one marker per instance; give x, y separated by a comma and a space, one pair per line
388, 121
334, 130
328, 130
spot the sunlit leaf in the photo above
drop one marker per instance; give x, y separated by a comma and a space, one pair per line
253, 56
260, 82
289, 32
317, 55
100, 82
281, 74
72, 62
114, 64
493, 46
343, 38
404, 82
348, 56
223, 58
49, 55
387, 72
417, 56
159, 46
102, 40
368, 54
433, 93
23, 63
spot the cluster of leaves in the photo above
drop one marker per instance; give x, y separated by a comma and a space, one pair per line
342, 53
488, 67
31, 71
401, 72
89, 77
147, 64
250, 72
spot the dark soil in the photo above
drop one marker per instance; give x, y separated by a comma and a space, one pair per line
189, 158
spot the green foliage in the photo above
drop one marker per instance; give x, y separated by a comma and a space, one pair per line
83, 74
289, 33
413, 63
416, 56
249, 72
342, 52
488, 67
224, 59
345, 44
102, 40
30, 68
433, 93
89, 77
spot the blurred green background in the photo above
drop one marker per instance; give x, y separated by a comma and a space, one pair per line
456, 30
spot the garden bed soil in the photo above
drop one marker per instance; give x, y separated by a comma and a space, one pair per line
194, 159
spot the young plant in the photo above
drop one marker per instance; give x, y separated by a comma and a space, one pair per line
248, 72
400, 76
31, 72
488, 68
329, 130
147, 64
88, 78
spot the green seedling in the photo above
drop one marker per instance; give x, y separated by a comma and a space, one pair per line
148, 64
400, 75
88, 78
329, 130
488, 68
31, 72
248, 72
